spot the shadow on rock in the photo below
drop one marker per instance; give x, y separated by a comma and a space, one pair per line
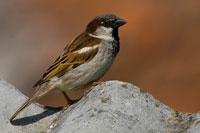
32, 119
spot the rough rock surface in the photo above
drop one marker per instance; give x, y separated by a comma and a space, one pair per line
112, 107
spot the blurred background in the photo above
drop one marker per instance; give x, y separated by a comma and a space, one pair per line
159, 45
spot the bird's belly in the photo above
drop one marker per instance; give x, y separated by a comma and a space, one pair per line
86, 73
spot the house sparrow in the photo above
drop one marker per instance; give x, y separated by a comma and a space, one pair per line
84, 60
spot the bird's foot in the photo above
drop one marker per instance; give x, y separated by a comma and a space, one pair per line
94, 84
46, 108
69, 104
97, 83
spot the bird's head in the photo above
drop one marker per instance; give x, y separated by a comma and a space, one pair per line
105, 25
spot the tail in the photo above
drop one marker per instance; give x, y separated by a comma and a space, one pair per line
38, 94
28, 102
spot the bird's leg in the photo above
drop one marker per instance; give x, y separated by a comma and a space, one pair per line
97, 83
94, 84
70, 102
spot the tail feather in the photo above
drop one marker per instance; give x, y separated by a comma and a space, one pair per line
28, 102
38, 94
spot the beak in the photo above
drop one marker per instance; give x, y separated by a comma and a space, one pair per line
119, 23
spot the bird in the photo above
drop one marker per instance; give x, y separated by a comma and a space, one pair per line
83, 61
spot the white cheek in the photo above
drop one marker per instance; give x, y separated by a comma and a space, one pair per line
106, 31
103, 33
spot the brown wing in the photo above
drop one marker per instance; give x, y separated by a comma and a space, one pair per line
70, 58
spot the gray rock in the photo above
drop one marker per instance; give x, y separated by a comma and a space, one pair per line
112, 107
33, 119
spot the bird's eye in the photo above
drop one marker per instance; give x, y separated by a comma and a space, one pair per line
107, 23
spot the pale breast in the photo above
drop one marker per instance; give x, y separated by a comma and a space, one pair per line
86, 73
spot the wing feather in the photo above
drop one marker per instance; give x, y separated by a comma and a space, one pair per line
70, 58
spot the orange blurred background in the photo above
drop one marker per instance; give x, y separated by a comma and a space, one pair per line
159, 44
